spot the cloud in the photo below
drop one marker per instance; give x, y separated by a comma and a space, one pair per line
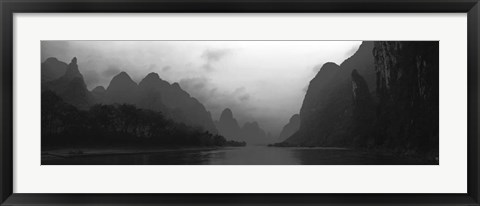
54, 48
216, 100
208, 67
213, 55
111, 71
151, 67
194, 83
244, 97
251, 81
239, 90
166, 68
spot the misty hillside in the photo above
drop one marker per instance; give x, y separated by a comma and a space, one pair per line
383, 97
70, 86
151, 93
290, 128
110, 126
327, 109
250, 132
52, 69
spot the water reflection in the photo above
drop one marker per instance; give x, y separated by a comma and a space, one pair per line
253, 155
250, 155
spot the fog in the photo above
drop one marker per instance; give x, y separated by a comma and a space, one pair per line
263, 81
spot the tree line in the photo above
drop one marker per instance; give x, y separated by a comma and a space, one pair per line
117, 125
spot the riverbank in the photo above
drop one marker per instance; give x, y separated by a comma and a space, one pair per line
250, 155
61, 153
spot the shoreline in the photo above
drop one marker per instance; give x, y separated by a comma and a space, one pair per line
66, 153
88, 152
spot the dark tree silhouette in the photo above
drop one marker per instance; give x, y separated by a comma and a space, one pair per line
118, 124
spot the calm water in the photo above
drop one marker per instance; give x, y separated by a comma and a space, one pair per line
250, 155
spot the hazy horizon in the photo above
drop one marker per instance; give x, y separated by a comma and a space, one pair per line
263, 81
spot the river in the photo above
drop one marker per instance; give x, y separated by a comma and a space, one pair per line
250, 155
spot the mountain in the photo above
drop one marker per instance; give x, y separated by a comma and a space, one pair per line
384, 98
151, 93
159, 95
122, 90
326, 113
228, 126
363, 112
290, 128
250, 132
71, 87
408, 93
98, 94
253, 134
52, 69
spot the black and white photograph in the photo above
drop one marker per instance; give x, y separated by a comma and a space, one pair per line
239, 102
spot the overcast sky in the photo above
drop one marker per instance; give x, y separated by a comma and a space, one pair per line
263, 81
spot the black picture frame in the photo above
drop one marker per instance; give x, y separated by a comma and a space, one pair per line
10, 7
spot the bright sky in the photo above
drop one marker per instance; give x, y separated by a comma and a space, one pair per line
263, 81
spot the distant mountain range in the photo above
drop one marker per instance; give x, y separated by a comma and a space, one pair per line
151, 93
250, 132
70, 86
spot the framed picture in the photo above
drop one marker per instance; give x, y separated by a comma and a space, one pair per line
239, 102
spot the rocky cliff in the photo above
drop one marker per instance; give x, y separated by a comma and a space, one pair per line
228, 126
159, 95
122, 90
408, 93
250, 132
326, 113
290, 128
384, 97
253, 134
52, 69
71, 87
99, 94
363, 113
151, 93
